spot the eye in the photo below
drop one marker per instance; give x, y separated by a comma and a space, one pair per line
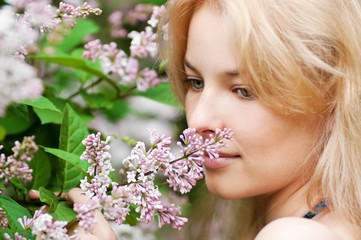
243, 92
197, 84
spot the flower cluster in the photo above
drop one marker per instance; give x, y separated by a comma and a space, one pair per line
67, 12
43, 226
141, 168
23, 24
140, 13
3, 220
143, 43
113, 205
121, 67
16, 164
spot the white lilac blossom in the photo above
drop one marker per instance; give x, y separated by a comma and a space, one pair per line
15, 32
17, 85
141, 167
46, 228
144, 43
16, 164
23, 24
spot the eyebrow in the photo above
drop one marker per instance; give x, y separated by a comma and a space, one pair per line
232, 73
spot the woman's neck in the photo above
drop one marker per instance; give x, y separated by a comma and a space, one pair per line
291, 201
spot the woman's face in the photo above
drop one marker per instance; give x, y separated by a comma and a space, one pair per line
269, 150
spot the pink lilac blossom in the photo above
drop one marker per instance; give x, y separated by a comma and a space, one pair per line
113, 61
67, 13
86, 211
15, 165
114, 206
116, 25
141, 167
17, 236
139, 13
96, 153
148, 79
168, 215
3, 220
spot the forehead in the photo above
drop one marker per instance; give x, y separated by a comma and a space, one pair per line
209, 44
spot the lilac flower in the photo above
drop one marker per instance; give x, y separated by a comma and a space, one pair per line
168, 215
15, 33
17, 236
3, 220
139, 13
116, 20
67, 12
86, 211
96, 153
15, 165
148, 79
45, 227
17, 85
144, 43
156, 15
141, 167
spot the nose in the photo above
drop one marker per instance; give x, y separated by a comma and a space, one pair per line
205, 112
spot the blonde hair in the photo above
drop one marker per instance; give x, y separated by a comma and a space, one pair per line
301, 58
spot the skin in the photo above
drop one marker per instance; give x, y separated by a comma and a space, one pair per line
270, 154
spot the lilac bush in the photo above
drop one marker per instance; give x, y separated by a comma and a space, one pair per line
56, 74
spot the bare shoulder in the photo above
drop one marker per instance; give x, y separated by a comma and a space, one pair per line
297, 229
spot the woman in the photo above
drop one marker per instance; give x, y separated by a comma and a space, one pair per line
285, 76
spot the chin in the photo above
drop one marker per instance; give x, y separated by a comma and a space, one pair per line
221, 191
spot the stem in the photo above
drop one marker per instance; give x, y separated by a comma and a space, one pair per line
126, 94
114, 85
99, 80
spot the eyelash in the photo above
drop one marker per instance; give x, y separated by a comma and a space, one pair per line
192, 83
241, 91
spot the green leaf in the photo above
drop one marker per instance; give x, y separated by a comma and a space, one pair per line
96, 100
85, 27
42, 103
64, 213
119, 110
73, 169
2, 133
13, 212
48, 197
72, 132
161, 93
45, 110
16, 120
74, 62
20, 189
41, 169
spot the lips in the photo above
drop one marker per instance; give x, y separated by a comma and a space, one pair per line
222, 161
